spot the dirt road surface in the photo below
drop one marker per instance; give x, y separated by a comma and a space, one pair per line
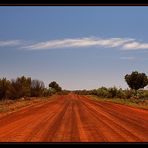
74, 118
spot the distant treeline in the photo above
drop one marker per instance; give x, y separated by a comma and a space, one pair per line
26, 87
114, 92
136, 82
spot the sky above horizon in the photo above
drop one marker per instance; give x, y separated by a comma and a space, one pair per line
79, 47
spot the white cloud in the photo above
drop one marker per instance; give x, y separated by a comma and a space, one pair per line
9, 43
120, 43
135, 46
79, 42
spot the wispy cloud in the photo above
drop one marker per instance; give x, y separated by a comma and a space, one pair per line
79, 42
135, 46
120, 43
9, 43
127, 58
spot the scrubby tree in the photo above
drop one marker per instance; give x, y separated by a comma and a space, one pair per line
5, 88
24, 87
21, 87
54, 86
113, 91
46, 92
37, 88
136, 80
102, 92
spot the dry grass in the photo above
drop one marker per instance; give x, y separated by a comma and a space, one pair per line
9, 106
143, 104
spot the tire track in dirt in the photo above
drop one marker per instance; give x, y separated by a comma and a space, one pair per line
114, 129
36, 130
14, 130
40, 130
128, 111
130, 125
74, 118
25, 111
53, 125
67, 128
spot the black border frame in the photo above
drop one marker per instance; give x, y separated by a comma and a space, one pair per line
56, 3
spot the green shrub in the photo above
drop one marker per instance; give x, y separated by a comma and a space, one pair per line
102, 92
146, 94
112, 92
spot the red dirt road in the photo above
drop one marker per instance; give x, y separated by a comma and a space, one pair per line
74, 118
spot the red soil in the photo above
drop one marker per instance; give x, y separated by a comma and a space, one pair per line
74, 118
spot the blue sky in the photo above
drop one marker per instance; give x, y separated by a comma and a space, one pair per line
79, 47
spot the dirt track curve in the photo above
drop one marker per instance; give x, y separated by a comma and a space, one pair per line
74, 118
